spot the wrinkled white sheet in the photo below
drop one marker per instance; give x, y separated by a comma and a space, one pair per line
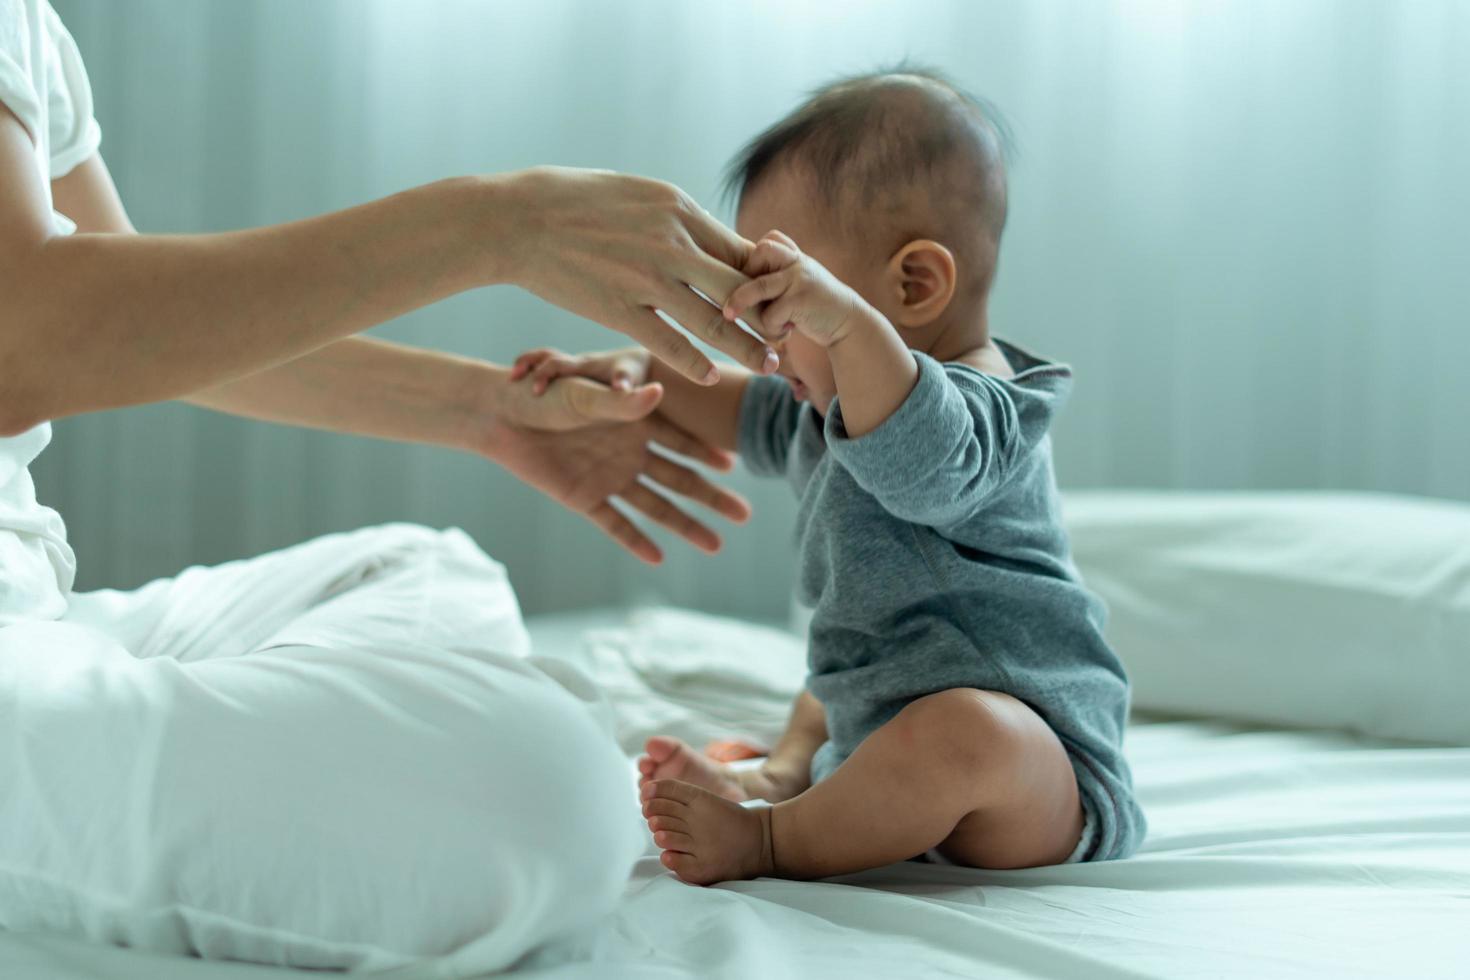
1271, 854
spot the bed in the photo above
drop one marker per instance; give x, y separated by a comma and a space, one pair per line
1272, 852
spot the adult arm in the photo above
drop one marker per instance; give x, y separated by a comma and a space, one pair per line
583, 446
95, 321
366, 386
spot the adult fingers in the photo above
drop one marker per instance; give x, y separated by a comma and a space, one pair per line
715, 266
717, 282
625, 533
673, 438
707, 322
596, 402
658, 508
686, 482
669, 345
716, 239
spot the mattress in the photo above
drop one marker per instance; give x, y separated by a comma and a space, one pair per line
1271, 853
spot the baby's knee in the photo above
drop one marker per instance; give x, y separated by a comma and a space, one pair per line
962, 725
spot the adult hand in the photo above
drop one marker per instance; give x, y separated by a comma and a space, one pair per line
586, 445
615, 248
622, 371
576, 402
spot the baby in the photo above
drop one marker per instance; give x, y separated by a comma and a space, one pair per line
962, 702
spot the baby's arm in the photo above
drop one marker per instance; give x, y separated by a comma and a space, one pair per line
941, 454
874, 371
710, 413
873, 368
928, 451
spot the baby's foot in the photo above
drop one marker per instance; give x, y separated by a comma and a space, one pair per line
704, 837
669, 758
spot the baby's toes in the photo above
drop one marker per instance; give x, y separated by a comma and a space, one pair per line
672, 789
668, 823
683, 865
673, 840
689, 868
664, 808
662, 747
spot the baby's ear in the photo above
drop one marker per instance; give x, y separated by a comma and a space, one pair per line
922, 278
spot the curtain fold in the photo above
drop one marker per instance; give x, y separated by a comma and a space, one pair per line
1244, 223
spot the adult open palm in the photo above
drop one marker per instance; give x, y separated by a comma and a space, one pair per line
590, 468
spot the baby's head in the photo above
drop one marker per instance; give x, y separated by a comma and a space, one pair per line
895, 181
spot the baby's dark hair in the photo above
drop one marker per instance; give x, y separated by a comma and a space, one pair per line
868, 142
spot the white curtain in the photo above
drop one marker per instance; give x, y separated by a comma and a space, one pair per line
1244, 223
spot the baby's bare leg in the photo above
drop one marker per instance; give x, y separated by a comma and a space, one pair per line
788, 769
974, 773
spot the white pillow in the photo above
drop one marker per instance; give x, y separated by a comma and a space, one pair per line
1304, 609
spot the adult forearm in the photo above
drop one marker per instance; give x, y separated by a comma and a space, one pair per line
373, 388
98, 321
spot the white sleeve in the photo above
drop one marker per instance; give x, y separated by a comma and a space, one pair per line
17, 59
75, 134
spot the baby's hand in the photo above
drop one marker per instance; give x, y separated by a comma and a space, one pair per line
801, 294
620, 370
565, 392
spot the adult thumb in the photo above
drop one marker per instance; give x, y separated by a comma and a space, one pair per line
599, 403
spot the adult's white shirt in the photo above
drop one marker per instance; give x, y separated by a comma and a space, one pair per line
44, 85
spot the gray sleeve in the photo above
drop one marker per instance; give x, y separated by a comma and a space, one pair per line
937, 458
769, 414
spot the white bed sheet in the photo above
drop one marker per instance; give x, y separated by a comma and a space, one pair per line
1270, 854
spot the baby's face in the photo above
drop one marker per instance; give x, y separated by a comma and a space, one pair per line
782, 201
809, 369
